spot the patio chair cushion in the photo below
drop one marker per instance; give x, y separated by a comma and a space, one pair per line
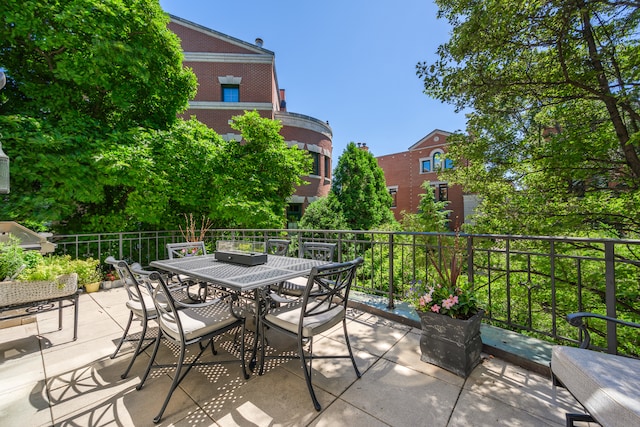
295, 286
199, 321
136, 306
605, 384
287, 317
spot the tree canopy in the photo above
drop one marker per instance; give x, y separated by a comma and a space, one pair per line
257, 177
432, 214
324, 214
89, 120
553, 138
111, 61
360, 190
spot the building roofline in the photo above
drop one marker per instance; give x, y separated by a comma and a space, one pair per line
220, 35
303, 121
429, 135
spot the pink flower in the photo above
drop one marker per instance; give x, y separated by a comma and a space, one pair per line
450, 302
435, 308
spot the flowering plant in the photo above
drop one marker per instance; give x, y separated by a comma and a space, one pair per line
444, 299
444, 295
110, 276
191, 251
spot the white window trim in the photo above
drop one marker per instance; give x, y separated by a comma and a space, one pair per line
420, 164
229, 80
433, 163
393, 189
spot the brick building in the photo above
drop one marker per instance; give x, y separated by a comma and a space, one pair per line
234, 76
406, 171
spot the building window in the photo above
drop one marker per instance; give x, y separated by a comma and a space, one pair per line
327, 167
316, 163
443, 192
230, 93
425, 166
394, 195
448, 164
294, 212
437, 161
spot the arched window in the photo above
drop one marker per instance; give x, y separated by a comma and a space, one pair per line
440, 162
437, 160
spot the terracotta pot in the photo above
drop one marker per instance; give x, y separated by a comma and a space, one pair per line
452, 344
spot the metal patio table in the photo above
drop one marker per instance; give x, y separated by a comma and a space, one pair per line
240, 278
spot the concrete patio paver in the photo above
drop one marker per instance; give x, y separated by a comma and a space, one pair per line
48, 379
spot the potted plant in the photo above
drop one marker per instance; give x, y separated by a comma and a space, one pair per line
449, 312
110, 280
48, 268
19, 265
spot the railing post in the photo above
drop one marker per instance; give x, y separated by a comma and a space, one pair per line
554, 301
391, 304
508, 278
470, 276
610, 296
120, 251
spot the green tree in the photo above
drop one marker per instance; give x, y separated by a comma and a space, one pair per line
324, 214
360, 189
112, 61
257, 176
86, 78
432, 214
158, 177
161, 175
553, 138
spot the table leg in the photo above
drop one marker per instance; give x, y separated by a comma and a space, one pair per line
258, 312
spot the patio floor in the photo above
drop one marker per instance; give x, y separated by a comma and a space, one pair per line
48, 379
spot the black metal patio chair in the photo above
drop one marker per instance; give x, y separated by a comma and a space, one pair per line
278, 247
140, 305
186, 324
187, 249
322, 306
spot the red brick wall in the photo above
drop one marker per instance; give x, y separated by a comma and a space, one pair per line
318, 187
403, 171
258, 85
198, 41
255, 85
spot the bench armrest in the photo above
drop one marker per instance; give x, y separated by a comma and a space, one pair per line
575, 319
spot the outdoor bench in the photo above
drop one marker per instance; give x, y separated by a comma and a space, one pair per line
606, 385
20, 299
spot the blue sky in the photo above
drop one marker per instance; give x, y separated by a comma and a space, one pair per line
349, 62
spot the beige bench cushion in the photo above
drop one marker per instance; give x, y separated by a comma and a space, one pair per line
608, 386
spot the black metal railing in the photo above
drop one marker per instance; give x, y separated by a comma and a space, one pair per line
526, 283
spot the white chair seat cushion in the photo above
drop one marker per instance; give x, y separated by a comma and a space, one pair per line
287, 317
608, 386
197, 322
136, 306
295, 286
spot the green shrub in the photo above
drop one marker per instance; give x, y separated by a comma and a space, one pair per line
53, 266
12, 257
